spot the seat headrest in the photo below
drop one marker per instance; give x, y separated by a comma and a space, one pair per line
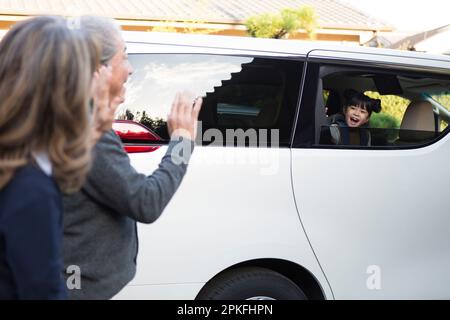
418, 122
418, 116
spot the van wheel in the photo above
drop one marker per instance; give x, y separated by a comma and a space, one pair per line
252, 283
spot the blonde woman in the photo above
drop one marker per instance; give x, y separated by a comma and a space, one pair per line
46, 72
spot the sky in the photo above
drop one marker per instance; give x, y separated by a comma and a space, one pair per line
154, 83
407, 15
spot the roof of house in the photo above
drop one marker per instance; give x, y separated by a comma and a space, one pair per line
387, 39
411, 41
332, 13
436, 41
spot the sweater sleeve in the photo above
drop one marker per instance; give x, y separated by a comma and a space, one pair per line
113, 182
33, 243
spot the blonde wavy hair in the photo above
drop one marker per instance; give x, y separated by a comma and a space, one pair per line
46, 70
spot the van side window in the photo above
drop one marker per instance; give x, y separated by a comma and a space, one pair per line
247, 93
415, 109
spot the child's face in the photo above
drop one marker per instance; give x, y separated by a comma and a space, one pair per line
355, 116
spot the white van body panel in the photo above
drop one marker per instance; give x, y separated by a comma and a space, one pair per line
358, 226
388, 58
276, 47
226, 213
234, 205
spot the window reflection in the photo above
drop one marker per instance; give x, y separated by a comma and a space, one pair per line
158, 78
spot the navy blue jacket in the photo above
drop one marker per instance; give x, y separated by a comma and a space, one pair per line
31, 237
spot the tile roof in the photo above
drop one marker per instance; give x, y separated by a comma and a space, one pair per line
415, 39
332, 13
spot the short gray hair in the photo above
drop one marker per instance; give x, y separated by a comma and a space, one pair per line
104, 30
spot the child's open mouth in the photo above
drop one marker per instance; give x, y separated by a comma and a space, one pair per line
354, 121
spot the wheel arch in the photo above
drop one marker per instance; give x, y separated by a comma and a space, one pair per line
302, 277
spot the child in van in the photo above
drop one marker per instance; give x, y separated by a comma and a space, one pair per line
351, 127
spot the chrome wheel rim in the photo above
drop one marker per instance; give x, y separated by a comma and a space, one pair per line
261, 298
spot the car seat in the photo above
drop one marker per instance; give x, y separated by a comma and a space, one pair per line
418, 123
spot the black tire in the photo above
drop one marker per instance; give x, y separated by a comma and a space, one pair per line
249, 283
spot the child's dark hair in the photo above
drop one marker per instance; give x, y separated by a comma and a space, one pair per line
355, 98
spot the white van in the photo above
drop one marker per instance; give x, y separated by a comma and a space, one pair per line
270, 208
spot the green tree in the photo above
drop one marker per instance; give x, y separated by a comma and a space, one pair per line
308, 20
152, 123
280, 25
383, 120
129, 115
392, 110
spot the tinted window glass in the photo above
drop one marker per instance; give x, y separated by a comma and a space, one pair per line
414, 109
238, 92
